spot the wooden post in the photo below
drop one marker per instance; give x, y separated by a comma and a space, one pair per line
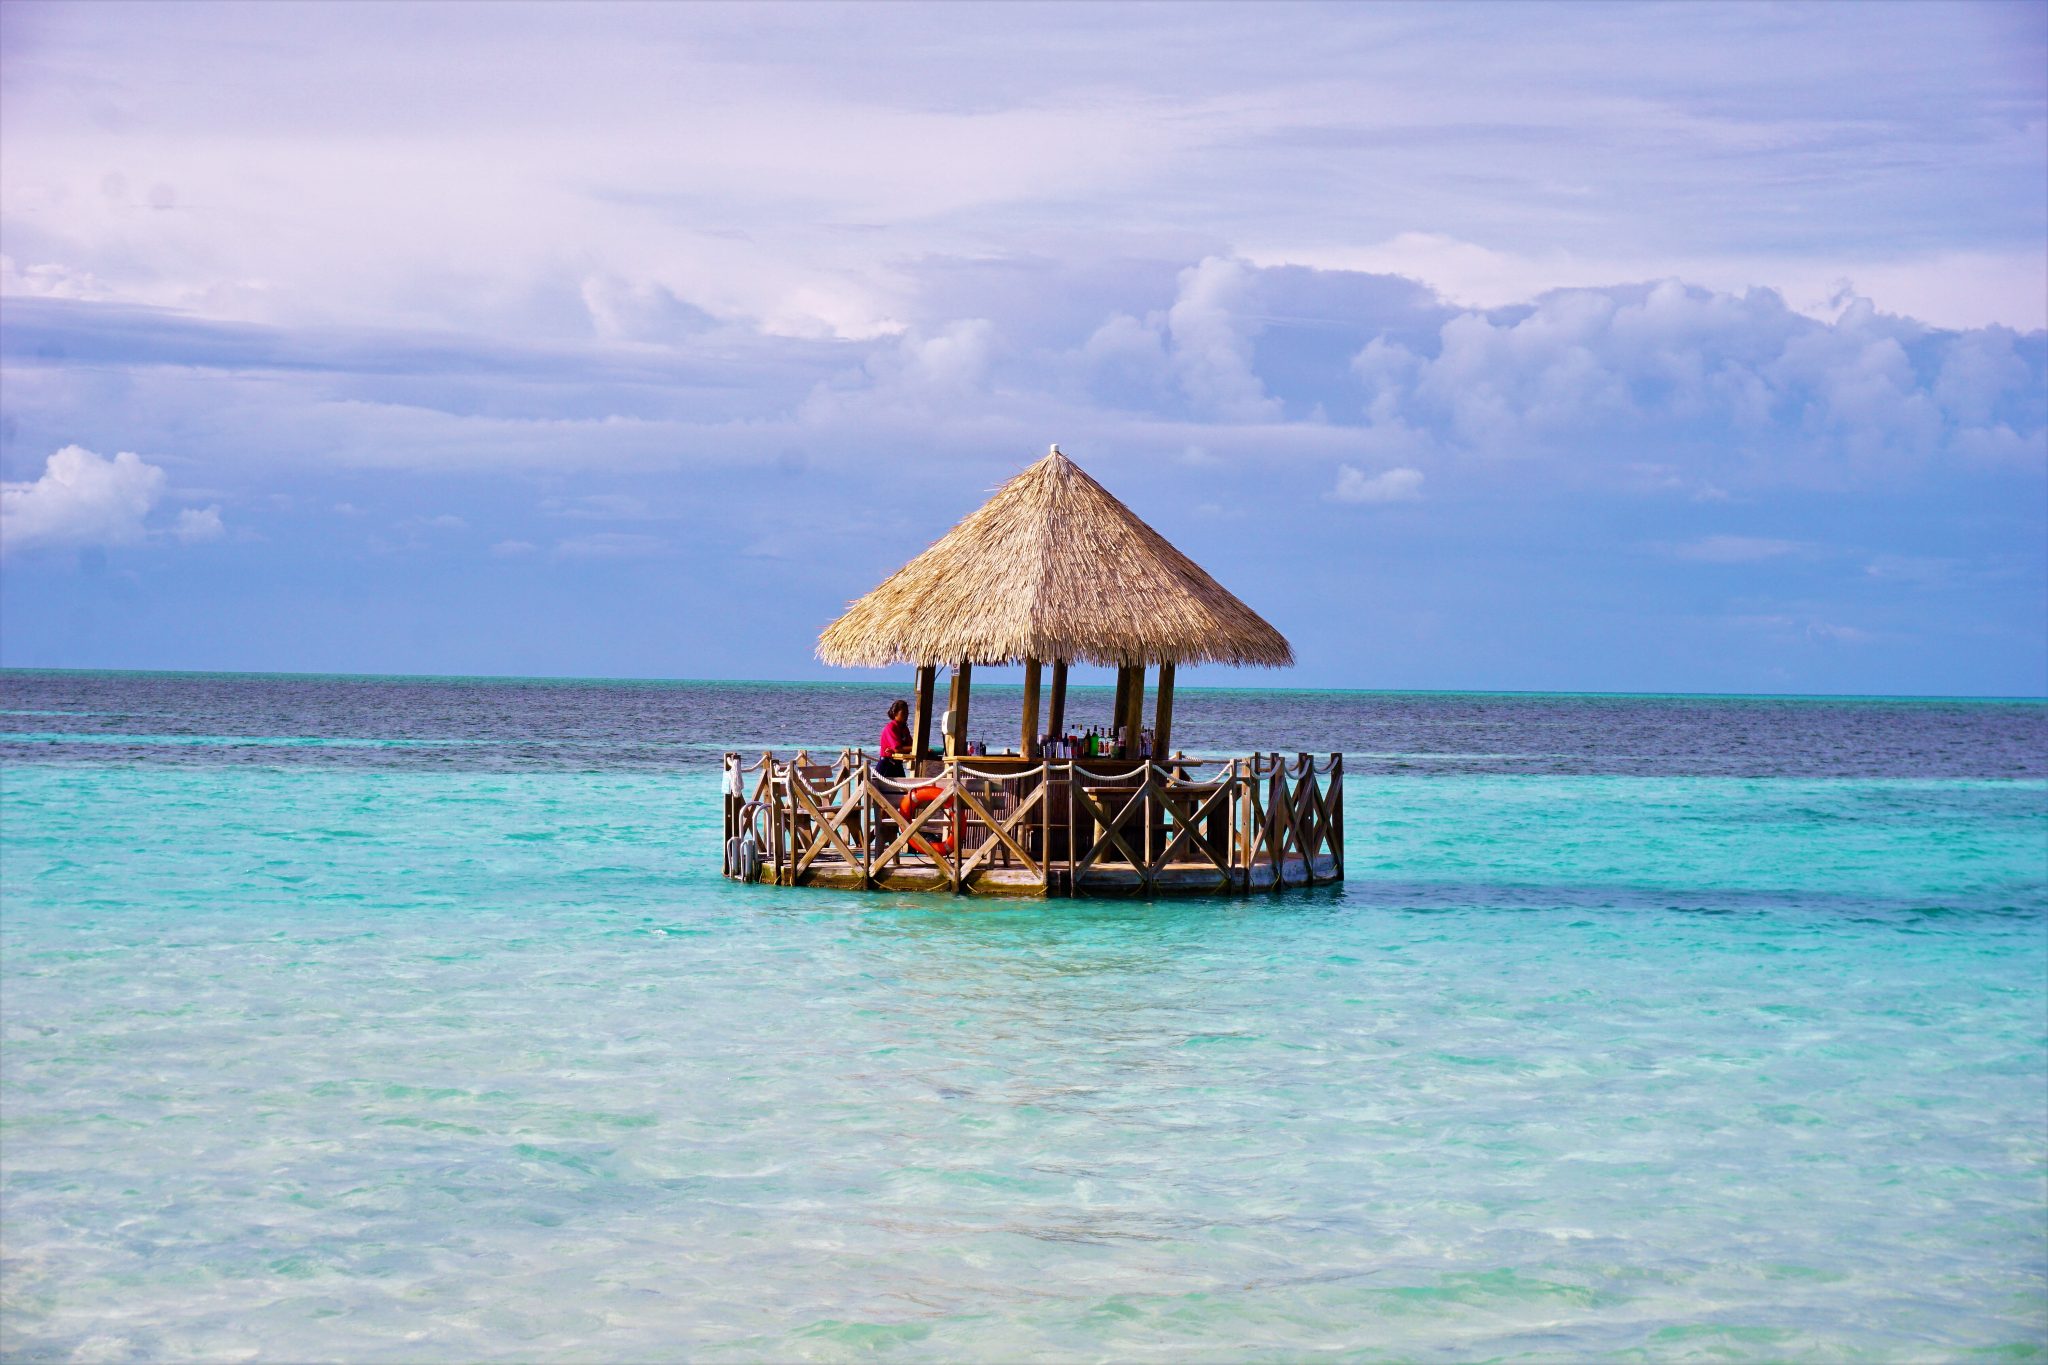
1162, 714
1056, 722
1123, 700
1029, 748
1133, 717
956, 709
921, 732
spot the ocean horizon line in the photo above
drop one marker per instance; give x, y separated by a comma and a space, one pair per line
629, 680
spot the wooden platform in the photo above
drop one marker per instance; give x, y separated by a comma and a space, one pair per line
1172, 879
1039, 828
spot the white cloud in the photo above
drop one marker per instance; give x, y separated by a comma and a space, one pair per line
599, 507
628, 170
954, 361
81, 499
198, 524
1211, 346
49, 281
1740, 380
1727, 549
1790, 628
1392, 485
1959, 289
1921, 570
1652, 389
508, 549
610, 545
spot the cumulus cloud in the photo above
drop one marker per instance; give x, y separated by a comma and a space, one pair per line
198, 524
626, 310
943, 370
1734, 378
1212, 352
1391, 485
49, 280
1714, 394
81, 499
1959, 289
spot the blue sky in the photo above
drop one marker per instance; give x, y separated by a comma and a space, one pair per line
1686, 348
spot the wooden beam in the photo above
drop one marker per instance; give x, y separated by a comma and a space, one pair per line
1133, 718
956, 709
1122, 702
1056, 718
1162, 715
921, 730
1029, 748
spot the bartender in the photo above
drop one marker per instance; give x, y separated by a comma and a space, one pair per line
895, 742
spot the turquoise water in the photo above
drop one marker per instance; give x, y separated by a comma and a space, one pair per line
357, 1062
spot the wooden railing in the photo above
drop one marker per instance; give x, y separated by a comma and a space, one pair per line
1037, 827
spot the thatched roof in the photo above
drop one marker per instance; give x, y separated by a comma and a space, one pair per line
1051, 567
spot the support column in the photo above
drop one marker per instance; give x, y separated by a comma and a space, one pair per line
1162, 716
1056, 719
1133, 717
1029, 748
1122, 702
921, 723
956, 709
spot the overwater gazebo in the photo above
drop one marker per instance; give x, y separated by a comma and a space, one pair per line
1051, 570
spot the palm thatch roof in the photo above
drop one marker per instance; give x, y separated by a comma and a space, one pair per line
1051, 567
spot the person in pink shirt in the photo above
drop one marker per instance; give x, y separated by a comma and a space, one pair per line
895, 742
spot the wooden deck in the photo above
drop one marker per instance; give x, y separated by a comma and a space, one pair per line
1197, 879
1015, 827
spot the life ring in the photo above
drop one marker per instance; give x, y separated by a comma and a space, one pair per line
915, 801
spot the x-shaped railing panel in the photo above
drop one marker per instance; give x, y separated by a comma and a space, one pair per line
1186, 807
1112, 825
1002, 833
828, 827
1282, 835
910, 829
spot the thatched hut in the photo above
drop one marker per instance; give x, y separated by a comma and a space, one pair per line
1051, 569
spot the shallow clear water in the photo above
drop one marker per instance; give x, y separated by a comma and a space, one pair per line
382, 1058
